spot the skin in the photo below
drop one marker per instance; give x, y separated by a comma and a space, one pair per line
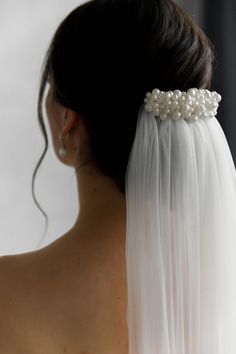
71, 296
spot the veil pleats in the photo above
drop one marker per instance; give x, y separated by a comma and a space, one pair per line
181, 238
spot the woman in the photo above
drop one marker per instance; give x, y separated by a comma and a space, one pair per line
149, 265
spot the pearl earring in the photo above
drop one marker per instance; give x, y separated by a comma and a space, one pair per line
62, 150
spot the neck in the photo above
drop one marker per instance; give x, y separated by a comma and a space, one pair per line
102, 209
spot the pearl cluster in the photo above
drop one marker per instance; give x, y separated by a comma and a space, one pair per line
193, 104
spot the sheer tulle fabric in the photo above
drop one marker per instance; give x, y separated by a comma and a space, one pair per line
181, 238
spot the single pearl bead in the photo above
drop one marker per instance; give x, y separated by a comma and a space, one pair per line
153, 97
208, 93
166, 99
162, 116
176, 115
202, 107
200, 98
192, 91
187, 107
177, 92
188, 115
155, 91
62, 152
189, 100
148, 108
197, 110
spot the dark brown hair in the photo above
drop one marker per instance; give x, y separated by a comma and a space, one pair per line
107, 54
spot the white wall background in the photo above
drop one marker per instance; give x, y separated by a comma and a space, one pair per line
26, 28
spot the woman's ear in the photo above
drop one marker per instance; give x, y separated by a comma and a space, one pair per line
71, 121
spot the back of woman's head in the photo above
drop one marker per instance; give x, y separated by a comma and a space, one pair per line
107, 54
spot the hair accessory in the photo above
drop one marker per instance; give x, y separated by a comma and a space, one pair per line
193, 104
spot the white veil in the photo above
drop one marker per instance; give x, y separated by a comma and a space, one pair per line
181, 238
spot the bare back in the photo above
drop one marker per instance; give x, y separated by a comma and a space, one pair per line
66, 301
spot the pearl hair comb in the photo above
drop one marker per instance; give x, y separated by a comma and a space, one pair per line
191, 105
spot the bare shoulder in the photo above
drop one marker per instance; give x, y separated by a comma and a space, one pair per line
15, 271
11, 331
8, 282
5, 284
22, 277
49, 301
20, 300
5, 321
